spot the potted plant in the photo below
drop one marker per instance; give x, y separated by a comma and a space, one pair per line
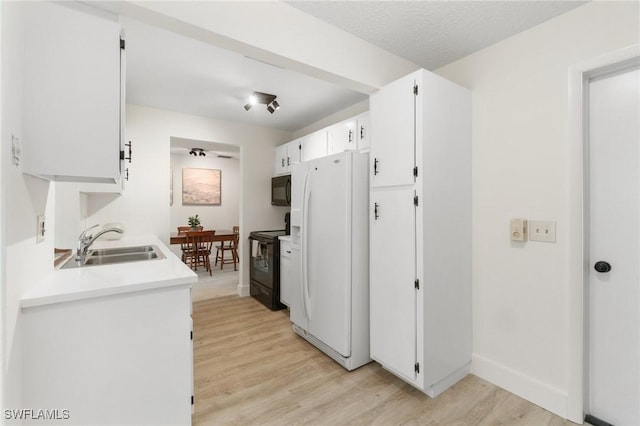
194, 222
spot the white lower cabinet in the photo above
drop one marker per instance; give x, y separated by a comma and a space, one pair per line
123, 359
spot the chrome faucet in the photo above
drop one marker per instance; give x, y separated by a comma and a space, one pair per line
85, 241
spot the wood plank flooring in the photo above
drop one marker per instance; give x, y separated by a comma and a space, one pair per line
251, 369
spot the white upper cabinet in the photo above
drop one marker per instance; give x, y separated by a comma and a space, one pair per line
280, 166
362, 133
72, 100
393, 155
287, 155
348, 135
342, 137
314, 146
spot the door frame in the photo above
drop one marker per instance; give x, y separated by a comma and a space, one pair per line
577, 221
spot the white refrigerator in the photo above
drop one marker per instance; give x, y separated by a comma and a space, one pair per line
330, 236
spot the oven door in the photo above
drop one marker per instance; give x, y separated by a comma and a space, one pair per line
281, 190
262, 262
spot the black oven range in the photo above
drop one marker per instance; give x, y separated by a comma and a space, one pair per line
264, 271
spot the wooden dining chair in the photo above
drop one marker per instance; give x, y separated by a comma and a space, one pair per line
183, 246
198, 249
231, 247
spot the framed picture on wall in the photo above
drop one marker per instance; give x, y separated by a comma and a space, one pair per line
201, 187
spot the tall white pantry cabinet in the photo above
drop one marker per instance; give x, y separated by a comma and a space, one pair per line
420, 230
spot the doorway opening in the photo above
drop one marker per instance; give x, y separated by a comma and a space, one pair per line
205, 182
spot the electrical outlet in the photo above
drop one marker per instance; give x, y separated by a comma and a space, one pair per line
40, 229
544, 231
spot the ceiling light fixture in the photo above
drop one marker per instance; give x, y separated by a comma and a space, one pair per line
197, 152
263, 98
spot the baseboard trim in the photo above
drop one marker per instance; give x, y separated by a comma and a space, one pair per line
535, 391
243, 290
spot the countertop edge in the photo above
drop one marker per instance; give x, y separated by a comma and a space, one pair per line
32, 302
92, 285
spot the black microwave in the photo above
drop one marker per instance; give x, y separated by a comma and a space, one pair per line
281, 191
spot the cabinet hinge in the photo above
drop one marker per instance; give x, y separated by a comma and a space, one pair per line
416, 367
415, 200
415, 172
416, 284
415, 89
122, 44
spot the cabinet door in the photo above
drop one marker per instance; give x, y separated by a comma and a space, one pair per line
392, 280
285, 272
362, 132
71, 93
393, 133
314, 146
280, 164
293, 152
341, 137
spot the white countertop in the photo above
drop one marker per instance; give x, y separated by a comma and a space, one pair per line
64, 285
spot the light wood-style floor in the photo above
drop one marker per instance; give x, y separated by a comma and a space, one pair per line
251, 369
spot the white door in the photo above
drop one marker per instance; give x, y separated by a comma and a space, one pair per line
328, 251
614, 296
391, 279
393, 134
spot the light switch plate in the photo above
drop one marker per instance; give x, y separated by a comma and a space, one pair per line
540, 230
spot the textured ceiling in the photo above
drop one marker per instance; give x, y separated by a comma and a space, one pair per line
434, 33
169, 71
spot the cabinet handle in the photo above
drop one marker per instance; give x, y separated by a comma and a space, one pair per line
126, 174
361, 132
288, 251
282, 162
122, 157
375, 166
288, 161
350, 136
375, 211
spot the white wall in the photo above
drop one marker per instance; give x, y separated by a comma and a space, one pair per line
23, 262
144, 206
224, 216
521, 291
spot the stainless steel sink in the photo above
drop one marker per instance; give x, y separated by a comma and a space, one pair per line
112, 256
119, 258
121, 250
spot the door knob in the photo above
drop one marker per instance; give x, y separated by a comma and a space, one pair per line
602, 266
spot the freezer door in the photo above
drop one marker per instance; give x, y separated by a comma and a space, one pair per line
327, 246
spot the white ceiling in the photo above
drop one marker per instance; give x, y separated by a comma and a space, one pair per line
170, 71
434, 33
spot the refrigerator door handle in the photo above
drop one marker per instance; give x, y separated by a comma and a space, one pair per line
306, 299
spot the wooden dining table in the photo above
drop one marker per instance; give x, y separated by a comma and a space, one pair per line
220, 235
